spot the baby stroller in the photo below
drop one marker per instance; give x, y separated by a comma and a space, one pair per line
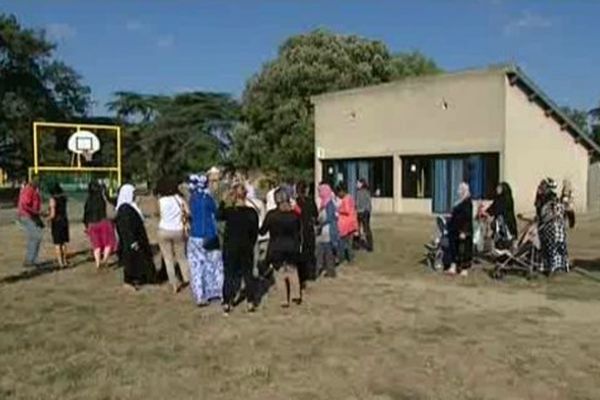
523, 256
439, 248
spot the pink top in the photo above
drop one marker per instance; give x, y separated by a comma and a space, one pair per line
348, 220
30, 202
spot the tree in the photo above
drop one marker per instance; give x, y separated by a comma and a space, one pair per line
278, 134
587, 121
405, 65
172, 135
33, 86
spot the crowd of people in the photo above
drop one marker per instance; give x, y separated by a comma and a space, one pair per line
220, 241
554, 214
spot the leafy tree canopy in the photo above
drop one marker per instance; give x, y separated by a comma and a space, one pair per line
278, 133
33, 86
171, 135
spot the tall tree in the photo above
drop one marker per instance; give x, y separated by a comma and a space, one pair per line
278, 133
32, 86
173, 135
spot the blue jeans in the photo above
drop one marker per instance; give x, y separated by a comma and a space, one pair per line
345, 251
34, 239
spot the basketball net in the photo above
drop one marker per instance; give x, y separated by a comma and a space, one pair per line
87, 155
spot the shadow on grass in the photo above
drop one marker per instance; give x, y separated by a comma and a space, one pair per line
44, 268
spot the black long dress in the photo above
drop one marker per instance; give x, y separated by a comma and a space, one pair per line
307, 266
60, 223
135, 253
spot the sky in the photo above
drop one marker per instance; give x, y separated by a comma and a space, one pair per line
166, 47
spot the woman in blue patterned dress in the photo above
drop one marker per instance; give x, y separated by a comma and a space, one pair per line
204, 254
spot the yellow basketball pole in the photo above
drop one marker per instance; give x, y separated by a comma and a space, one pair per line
35, 149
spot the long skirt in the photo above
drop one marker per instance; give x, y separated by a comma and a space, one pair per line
553, 237
206, 272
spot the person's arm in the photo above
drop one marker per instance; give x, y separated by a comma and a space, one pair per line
52, 209
266, 224
253, 227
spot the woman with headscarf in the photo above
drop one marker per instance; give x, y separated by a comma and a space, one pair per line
328, 235
553, 230
503, 210
460, 232
98, 227
135, 253
239, 239
204, 254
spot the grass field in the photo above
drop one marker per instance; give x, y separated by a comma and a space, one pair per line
385, 329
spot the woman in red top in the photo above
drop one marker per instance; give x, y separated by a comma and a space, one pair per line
30, 203
347, 223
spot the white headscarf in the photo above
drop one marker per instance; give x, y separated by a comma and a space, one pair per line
464, 192
127, 196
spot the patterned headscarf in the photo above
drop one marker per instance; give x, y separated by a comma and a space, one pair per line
198, 184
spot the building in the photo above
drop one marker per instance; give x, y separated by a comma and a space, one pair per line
415, 140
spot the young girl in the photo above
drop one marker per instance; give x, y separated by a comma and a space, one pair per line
59, 224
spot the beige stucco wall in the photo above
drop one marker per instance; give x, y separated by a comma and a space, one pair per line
536, 148
407, 117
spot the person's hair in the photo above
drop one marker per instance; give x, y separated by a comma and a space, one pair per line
239, 192
56, 190
281, 197
364, 184
301, 188
341, 188
94, 187
167, 186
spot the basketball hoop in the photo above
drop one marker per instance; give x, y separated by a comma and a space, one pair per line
87, 155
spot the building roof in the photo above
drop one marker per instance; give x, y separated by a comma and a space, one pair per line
516, 77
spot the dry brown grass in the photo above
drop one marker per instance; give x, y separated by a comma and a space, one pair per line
385, 329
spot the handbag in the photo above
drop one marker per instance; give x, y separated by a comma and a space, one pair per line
211, 244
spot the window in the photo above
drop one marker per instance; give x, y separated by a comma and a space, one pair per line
378, 172
424, 175
416, 177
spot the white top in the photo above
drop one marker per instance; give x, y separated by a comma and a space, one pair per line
271, 205
171, 213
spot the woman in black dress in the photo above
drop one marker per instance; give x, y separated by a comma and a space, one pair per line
284, 228
135, 254
59, 224
503, 212
307, 266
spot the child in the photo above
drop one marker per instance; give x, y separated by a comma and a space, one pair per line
59, 224
347, 223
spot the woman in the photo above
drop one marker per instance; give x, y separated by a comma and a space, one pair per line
241, 233
347, 223
363, 207
172, 235
204, 255
460, 232
59, 224
308, 217
553, 231
567, 198
503, 210
328, 237
284, 228
98, 227
135, 253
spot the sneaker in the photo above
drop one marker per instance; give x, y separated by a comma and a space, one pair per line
464, 272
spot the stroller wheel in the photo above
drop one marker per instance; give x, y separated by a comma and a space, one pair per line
498, 274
